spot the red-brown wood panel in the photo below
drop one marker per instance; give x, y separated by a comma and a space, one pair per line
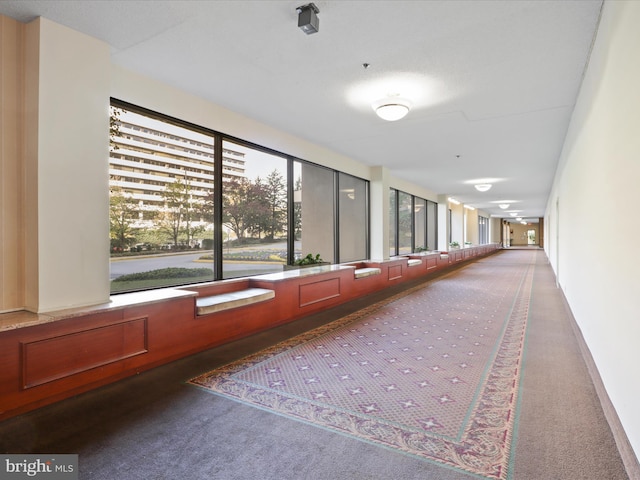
57, 357
394, 272
51, 361
319, 291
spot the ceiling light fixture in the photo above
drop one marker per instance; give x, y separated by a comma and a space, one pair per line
483, 187
308, 20
504, 206
391, 108
454, 201
514, 214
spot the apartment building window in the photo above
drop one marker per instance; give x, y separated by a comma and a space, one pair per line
190, 205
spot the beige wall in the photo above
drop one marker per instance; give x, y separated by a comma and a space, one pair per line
495, 230
520, 233
457, 224
11, 161
54, 88
471, 226
590, 231
62, 222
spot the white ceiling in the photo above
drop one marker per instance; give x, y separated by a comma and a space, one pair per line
492, 83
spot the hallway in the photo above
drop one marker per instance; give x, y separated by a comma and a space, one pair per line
153, 426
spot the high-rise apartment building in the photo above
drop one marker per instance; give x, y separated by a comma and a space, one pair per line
147, 155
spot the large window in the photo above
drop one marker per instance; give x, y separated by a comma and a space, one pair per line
483, 230
254, 212
189, 205
393, 222
432, 225
420, 223
353, 201
405, 223
314, 211
161, 191
412, 223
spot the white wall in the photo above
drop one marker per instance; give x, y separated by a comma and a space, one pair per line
591, 228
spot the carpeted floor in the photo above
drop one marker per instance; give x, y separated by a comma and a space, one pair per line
156, 426
432, 372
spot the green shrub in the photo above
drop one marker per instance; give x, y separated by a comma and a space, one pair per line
163, 273
309, 260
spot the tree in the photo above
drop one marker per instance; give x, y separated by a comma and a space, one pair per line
123, 213
114, 126
276, 197
181, 212
297, 210
241, 207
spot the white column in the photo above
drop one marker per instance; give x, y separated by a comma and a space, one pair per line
379, 205
443, 223
67, 169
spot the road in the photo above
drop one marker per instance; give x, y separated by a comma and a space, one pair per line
124, 265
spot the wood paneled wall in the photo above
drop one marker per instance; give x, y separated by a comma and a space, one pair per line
57, 356
12, 239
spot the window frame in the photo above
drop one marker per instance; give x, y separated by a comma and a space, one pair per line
219, 139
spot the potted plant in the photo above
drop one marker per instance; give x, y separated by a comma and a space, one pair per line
309, 260
454, 245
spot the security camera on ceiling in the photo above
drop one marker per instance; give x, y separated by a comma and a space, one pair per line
308, 20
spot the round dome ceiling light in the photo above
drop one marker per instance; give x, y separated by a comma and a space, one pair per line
483, 187
504, 206
391, 108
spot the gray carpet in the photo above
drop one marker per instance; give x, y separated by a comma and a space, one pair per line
153, 426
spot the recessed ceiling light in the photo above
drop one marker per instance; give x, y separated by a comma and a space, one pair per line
504, 206
513, 214
483, 187
454, 201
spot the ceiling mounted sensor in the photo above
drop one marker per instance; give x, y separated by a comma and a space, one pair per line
391, 108
308, 20
483, 187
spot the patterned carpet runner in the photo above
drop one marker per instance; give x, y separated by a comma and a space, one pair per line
432, 372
